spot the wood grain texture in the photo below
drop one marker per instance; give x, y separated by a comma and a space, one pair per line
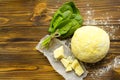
19, 36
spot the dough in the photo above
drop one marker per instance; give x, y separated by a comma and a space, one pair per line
90, 44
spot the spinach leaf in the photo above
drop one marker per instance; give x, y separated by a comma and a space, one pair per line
64, 22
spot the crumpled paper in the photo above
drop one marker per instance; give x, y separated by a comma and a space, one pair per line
57, 65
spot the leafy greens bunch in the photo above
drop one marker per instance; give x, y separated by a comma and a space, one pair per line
64, 22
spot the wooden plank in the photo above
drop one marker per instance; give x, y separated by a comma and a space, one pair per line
20, 16
17, 64
19, 36
13, 34
23, 65
30, 46
16, 34
23, 59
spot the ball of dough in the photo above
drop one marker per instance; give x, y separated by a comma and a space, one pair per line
90, 44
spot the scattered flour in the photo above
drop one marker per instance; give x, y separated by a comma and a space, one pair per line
105, 21
100, 72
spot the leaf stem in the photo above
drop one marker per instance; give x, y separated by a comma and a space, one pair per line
47, 40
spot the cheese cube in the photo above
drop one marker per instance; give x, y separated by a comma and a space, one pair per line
79, 70
59, 53
77, 67
75, 63
69, 68
70, 59
66, 64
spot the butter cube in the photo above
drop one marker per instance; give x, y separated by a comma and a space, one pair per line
77, 67
59, 53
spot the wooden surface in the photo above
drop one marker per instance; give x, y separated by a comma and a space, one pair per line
19, 36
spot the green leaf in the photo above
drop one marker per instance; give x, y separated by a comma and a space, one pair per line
75, 25
64, 22
66, 11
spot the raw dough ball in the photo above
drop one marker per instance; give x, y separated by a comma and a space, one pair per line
90, 44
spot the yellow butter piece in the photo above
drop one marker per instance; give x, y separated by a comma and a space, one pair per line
77, 67
59, 53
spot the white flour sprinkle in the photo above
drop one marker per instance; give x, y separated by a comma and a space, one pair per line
100, 72
104, 19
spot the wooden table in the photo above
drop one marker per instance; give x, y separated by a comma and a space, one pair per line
19, 36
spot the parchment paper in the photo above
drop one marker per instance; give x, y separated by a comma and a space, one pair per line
57, 65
